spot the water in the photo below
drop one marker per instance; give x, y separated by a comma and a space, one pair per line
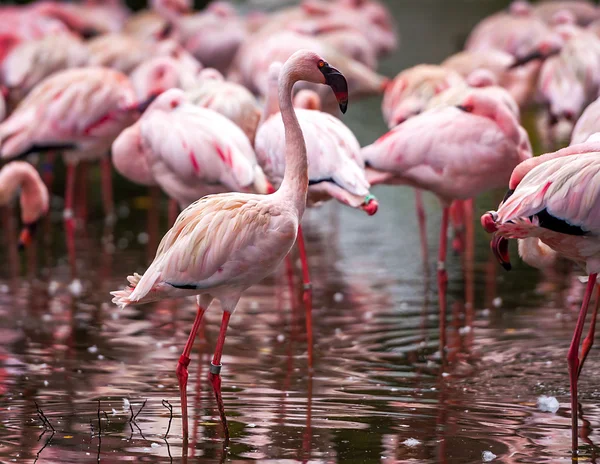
378, 392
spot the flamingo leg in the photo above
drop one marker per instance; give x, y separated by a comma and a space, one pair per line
68, 214
182, 367
442, 275
107, 193
422, 226
469, 261
573, 359
82, 182
457, 217
214, 375
307, 296
48, 170
588, 342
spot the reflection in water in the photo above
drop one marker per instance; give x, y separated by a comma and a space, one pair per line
378, 391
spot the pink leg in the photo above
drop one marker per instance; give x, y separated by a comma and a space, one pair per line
307, 295
457, 218
47, 170
422, 226
182, 371
82, 190
573, 359
173, 212
469, 261
588, 342
68, 214
214, 375
107, 194
443, 278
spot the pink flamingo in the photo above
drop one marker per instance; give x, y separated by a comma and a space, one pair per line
201, 153
260, 50
232, 100
21, 178
519, 81
118, 51
79, 111
455, 152
223, 244
553, 205
28, 63
155, 75
517, 31
335, 166
410, 91
583, 12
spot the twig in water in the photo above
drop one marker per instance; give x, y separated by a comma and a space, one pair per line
167, 405
133, 418
43, 418
37, 456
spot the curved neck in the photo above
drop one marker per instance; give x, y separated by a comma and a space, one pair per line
13, 177
271, 102
295, 177
507, 123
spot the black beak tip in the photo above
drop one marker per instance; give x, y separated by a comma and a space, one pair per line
21, 246
507, 266
344, 107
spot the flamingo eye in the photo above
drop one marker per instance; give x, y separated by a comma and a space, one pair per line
174, 103
320, 64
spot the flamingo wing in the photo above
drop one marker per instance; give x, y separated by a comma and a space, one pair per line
216, 240
562, 194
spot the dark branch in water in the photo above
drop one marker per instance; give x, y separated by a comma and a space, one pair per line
37, 456
45, 422
167, 405
133, 418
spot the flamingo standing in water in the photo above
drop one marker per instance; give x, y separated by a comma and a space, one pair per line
455, 152
223, 244
22, 177
79, 111
335, 166
553, 205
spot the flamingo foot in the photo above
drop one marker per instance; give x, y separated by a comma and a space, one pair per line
214, 377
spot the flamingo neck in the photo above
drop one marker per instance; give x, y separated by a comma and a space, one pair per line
295, 177
508, 124
271, 102
17, 176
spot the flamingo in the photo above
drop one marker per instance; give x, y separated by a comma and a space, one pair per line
201, 153
552, 208
79, 111
20, 177
260, 50
583, 12
520, 81
410, 91
28, 63
455, 152
232, 100
223, 244
155, 75
335, 166
118, 51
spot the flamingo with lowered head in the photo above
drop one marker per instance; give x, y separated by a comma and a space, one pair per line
223, 244
552, 207
22, 177
456, 153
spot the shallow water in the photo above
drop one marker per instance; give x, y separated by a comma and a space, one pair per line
377, 393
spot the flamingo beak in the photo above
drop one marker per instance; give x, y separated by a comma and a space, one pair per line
488, 221
499, 246
26, 235
371, 205
338, 83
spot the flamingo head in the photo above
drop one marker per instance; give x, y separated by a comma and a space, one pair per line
167, 101
499, 244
